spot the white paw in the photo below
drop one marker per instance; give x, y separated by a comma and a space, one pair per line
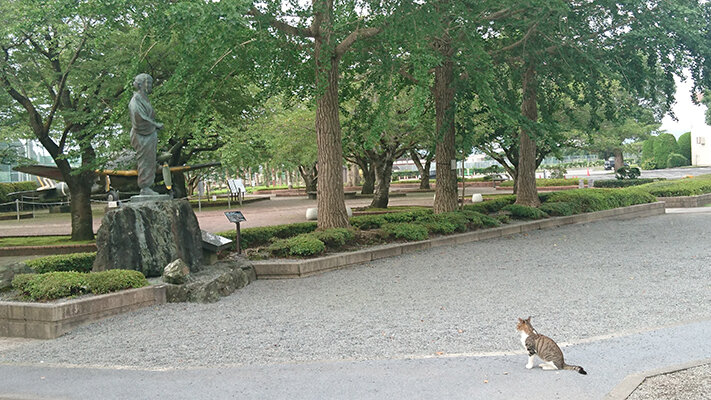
529, 366
542, 365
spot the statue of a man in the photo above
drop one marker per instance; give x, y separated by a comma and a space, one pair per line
144, 132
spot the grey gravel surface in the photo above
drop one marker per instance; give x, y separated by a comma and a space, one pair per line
689, 384
578, 282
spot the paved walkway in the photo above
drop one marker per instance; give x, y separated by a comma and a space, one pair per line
428, 325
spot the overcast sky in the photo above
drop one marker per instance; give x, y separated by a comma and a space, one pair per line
687, 113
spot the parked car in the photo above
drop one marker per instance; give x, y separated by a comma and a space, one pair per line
610, 163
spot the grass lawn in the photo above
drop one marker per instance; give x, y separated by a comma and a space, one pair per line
40, 241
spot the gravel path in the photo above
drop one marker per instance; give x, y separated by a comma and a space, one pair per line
578, 282
693, 383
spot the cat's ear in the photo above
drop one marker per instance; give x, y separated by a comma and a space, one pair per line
520, 320
528, 319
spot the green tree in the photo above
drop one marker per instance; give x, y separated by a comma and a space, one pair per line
664, 144
64, 63
684, 145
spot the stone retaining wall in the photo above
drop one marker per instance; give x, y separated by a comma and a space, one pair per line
686, 201
51, 320
281, 269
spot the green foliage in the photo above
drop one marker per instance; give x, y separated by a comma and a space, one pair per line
549, 182
79, 262
618, 183
406, 231
492, 205
559, 208
253, 237
365, 222
557, 172
55, 285
664, 145
6, 188
679, 187
114, 280
303, 245
676, 160
648, 153
648, 164
590, 200
334, 238
627, 173
524, 212
684, 145
479, 220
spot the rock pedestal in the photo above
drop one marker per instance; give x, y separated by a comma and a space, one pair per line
148, 236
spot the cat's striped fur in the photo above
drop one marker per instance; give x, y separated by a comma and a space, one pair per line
543, 347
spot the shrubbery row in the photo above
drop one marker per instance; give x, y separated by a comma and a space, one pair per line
79, 262
55, 285
11, 187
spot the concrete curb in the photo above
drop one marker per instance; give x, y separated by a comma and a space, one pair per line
46, 250
686, 201
51, 320
625, 388
282, 269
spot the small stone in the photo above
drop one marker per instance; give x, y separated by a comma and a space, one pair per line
176, 272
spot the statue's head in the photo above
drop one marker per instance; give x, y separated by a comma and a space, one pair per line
143, 81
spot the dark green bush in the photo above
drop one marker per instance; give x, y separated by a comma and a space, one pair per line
7, 188
79, 262
550, 182
679, 187
398, 217
590, 200
334, 238
524, 212
302, 245
684, 145
664, 145
114, 280
365, 222
627, 173
406, 231
253, 237
503, 218
479, 220
618, 183
55, 285
444, 223
676, 160
648, 153
559, 208
491, 206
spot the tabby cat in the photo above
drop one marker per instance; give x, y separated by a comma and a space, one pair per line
543, 347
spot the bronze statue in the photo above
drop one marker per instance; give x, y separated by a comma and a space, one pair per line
144, 132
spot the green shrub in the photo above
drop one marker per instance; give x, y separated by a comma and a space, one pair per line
253, 237
679, 187
302, 245
479, 220
503, 218
648, 153
627, 173
7, 188
365, 222
114, 280
664, 145
491, 206
334, 238
590, 200
398, 217
559, 208
524, 212
55, 285
444, 223
648, 164
406, 231
618, 183
676, 160
550, 182
684, 145
78, 262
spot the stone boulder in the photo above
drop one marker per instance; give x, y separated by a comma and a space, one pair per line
214, 282
147, 236
7, 272
176, 272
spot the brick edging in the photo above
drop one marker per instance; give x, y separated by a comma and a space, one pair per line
46, 250
51, 320
285, 268
686, 201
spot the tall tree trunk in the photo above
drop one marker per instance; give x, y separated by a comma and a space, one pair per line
446, 189
310, 177
423, 170
80, 204
368, 177
526, 191
331, 201
619, 160
383, 175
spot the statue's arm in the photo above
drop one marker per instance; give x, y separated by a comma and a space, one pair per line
144, 115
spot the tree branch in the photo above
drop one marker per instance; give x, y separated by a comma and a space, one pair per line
362, 33
281, 26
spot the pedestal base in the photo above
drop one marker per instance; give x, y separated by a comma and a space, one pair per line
142, 198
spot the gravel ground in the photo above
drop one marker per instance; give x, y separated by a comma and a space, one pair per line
693, 383
578, 282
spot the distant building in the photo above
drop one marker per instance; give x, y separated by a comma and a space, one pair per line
701, 145
26, 149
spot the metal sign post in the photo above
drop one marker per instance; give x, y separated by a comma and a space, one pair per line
201, 191
236, 217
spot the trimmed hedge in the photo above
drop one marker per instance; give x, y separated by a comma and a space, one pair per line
524, 212
491, 206
558, 208
55, 285
302, 245
334, 238
252, 237
78, 262
366, 222
406, 231
550, 182
679, 187
590, 200
684, 145
6, 188
676, 160
664, 144
619, 183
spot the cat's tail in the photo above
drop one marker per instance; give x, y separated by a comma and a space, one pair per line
577, 368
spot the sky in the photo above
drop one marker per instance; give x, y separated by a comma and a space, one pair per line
687, 113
